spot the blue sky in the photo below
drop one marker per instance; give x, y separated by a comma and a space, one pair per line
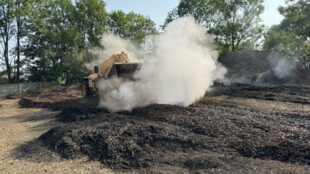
157, 9
271, 15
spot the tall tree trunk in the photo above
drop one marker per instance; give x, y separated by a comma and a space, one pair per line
233, 43
233, 31
18, 37
18, 48
6, 58
5, 32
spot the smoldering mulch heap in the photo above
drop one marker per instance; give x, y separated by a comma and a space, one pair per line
223, 132
264, 68
208, 136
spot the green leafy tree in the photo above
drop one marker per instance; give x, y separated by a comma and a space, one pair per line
22, 8
2, 79
292, 36
297, 18
235, 23
91, 20
131, 26
60, 35
7, 31
283, 42
51, 39
35, 47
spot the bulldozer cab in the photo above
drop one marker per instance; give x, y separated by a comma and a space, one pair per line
117, 66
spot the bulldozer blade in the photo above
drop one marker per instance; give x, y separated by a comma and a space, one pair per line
124, 70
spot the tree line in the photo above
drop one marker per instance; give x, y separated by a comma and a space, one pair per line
55, 37
52, 39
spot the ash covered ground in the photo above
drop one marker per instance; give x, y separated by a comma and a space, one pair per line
234, 128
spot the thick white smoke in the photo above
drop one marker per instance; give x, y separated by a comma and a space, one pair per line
178, 70
281, 66
113, 44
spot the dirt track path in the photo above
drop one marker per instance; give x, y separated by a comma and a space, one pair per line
19, 126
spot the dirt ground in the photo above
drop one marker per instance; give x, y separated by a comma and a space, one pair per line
235, 128
18, 126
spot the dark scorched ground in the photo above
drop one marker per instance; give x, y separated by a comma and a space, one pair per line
235, 128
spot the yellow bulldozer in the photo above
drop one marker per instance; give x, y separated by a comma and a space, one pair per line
117, 66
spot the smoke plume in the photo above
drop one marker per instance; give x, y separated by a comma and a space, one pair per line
281, 66
113, 44
177, 69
